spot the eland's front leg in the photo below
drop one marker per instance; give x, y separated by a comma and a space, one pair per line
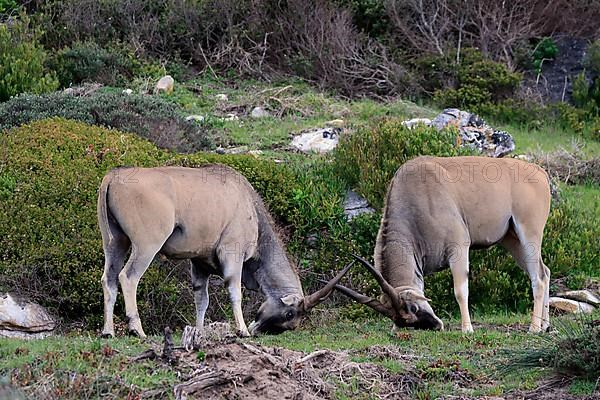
232, 274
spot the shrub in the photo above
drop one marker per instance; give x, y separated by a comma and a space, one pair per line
148, 116
574, 350
50, 172
478, 81
369, 158
22, 61
88, 62
546, 49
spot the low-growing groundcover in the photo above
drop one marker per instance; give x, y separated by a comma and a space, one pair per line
149, 117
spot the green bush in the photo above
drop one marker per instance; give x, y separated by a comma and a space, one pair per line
150, 117
369, 158
7, 6
471, 83
22, 61
88, 62
50, 172
546, 49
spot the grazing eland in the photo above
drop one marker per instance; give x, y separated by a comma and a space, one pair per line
436, 210
210, 215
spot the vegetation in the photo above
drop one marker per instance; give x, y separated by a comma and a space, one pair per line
309, 64
22, 61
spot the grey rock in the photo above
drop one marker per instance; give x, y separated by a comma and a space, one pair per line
222, 97
165, 84
20, 318
259, 112
475, 132
355, 205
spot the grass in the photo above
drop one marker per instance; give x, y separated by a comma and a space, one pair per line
81, 365
443, 362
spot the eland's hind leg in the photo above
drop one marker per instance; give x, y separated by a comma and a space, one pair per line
527, 254
200, 288
129, 278
114, 258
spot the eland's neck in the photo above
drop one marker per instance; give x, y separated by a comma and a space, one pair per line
275, 273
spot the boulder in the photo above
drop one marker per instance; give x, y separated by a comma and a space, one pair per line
24, 319
165, 84
222, 97
474, 132
355, 205
259, 112
571, 306
320, 140
582, 295
127, 91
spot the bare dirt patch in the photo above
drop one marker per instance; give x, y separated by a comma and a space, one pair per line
226, 367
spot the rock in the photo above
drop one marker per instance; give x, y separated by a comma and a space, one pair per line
255, 153
222, 97
571, 306
127, 91
199, 118
320, 140
165, 84
336, 123
355, 205
416, 121
19, 318
582, 295
475, 133
259, 112
69, 90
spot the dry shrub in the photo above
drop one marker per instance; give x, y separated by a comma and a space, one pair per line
570, 167
318, 40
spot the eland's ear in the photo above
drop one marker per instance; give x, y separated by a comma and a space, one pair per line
291, 300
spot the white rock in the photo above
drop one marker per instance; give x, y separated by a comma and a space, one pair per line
259, 112
23, 319
416, 121
571, 306
165, 84
582, 295
230, 117
127, 91
221, 97
199, 118
320, 140
69, 90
